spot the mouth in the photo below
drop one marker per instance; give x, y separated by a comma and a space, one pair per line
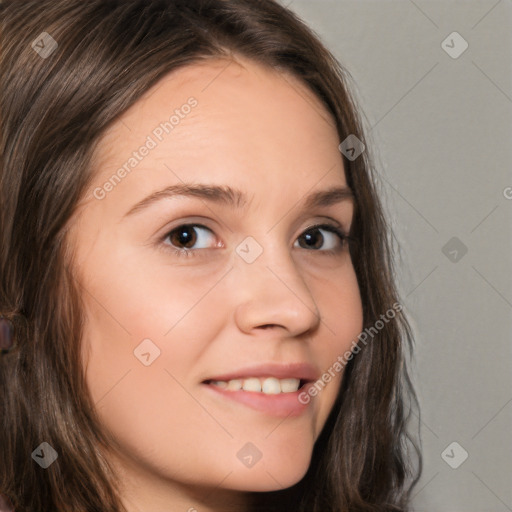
274, 390
269, 385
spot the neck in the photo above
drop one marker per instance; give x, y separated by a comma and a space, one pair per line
144, 491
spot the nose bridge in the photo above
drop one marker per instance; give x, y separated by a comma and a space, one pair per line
272, 289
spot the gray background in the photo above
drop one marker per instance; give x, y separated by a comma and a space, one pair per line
441, 133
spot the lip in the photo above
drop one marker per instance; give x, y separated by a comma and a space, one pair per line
281, 405
301, 371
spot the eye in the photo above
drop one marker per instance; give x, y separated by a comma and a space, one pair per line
186, 237
332, 241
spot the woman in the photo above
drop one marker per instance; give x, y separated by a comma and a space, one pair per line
195, 267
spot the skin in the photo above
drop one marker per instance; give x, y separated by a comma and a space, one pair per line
265, 133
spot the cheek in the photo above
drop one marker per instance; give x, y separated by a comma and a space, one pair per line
341, 301
340, 304
150, 410
139, 314
132, 313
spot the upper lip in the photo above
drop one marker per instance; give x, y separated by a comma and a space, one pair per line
301, 371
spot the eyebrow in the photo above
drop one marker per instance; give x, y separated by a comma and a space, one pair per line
233, 197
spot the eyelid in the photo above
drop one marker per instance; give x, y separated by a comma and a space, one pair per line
195, 225
334, 227
329, 221
337, 226
195, 220
322, 223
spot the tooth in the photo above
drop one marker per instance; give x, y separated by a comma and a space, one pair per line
271, 386
289, 385
234, 385
252, 384
268, 385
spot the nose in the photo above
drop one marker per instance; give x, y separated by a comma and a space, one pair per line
271, 292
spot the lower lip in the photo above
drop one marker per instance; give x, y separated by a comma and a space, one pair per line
282, 405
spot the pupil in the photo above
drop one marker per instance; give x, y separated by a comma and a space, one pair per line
308, 236
185, 236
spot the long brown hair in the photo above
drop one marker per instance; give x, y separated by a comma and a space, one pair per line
54, 108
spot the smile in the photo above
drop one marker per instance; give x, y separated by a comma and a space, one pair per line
268, 395
267, 385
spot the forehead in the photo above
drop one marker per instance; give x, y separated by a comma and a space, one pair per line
235, 88
250, 124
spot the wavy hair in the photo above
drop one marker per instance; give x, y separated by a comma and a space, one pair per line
53, 112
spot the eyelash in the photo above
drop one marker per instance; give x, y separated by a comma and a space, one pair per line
343, 238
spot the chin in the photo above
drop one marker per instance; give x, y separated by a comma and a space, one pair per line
267, 477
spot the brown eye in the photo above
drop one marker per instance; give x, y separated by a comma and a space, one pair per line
312, 238
188, 235
184, 236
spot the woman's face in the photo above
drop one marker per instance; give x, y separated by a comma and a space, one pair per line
193, 286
